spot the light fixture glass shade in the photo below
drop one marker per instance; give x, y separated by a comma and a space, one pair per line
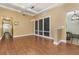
75, 16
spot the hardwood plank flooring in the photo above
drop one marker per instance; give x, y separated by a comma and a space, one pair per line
32, 45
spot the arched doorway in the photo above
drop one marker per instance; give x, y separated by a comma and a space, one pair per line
73, 27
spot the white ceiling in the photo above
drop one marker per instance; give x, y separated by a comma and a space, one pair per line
29, 8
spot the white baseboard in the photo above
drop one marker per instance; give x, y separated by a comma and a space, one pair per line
22, 35
32, 34
44, 36
57, 43
64, 41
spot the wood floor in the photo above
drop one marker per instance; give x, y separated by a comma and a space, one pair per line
32, 45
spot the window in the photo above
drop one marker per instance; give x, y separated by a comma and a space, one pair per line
46, 24
46, 33
36, 27
42, 27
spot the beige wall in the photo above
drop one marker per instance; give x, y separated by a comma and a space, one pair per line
58, 16
56, 19
25, 23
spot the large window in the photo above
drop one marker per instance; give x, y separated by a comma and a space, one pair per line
46, 26
36, 25
42, 27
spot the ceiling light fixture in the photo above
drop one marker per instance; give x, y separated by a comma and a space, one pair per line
32, 7
75, 16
